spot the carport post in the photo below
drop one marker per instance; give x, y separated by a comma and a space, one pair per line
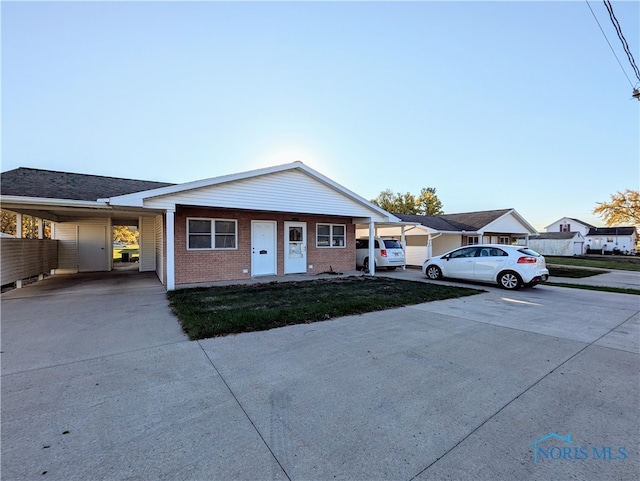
372, 247
404, 247
19, 226
171, 282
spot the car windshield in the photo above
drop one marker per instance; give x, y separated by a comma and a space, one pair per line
392, 244
529, 252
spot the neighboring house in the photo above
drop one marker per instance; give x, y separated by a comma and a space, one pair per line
437, 234
621, 239
272, 221
614, 240
558, 243
569, 224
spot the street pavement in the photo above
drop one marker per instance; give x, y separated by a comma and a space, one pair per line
99, 382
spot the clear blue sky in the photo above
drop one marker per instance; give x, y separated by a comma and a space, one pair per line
495, 104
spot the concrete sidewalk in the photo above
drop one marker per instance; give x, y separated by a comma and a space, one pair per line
98, 382
613, 278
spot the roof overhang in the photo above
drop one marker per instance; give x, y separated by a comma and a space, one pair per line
67, 210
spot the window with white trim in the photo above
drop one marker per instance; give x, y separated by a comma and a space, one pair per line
504, 240
331, 235
472, 240
207, 234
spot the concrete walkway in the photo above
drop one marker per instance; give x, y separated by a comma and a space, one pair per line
98, 382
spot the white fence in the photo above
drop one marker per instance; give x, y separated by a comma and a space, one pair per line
24, 258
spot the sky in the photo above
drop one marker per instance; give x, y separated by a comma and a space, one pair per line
495, 104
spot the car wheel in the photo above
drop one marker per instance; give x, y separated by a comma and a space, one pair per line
365, 265
509, 280
433, 272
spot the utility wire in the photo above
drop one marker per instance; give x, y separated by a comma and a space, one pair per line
625, 45
610, 46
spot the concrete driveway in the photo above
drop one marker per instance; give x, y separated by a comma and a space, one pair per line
98, 382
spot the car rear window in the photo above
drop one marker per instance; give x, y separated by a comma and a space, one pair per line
392, 244
529, 252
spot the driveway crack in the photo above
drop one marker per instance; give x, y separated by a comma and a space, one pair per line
244, 411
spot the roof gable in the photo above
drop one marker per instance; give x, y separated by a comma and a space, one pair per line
40, 183
285, 188
571, 219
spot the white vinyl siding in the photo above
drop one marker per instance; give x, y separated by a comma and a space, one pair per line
207, 234
287, 191
147, 244
67, 235
331, 235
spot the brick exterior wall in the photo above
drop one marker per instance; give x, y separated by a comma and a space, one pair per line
193, 266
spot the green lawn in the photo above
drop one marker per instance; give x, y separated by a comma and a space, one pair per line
133, 250
217, 311
626, 263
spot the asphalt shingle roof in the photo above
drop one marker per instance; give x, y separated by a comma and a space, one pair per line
467, 221
554, 235
611, 231
27, 182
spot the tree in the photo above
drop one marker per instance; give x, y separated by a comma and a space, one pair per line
29, 225
624, 208
122, 233
427, 203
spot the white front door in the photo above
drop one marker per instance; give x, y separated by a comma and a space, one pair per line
295, 247
263, 248
92, 248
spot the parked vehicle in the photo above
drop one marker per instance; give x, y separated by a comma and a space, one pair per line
388, 253
509, 266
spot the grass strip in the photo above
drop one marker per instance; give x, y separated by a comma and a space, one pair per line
618, 290
626, 263
561, 271
217, 311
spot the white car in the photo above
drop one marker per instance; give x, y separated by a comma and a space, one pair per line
389, 253
509, 266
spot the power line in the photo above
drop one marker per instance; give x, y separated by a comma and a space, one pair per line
625, 45
610, 46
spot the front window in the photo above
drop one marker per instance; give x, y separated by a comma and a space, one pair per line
211, 234
472, 240
505, 240
331, 235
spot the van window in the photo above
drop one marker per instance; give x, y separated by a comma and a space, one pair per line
392, 244
362, 243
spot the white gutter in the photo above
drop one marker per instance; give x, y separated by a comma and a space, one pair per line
19, 200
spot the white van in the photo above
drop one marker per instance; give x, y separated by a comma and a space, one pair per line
389, 253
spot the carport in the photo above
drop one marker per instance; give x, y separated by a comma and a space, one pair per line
81, 224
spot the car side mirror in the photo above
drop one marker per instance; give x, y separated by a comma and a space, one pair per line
447, 257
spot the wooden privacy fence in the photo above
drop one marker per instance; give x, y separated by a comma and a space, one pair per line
24, 258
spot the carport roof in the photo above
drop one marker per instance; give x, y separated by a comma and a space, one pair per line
39, 183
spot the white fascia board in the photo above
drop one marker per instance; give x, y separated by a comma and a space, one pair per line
347, 192
46, 201
519, 218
